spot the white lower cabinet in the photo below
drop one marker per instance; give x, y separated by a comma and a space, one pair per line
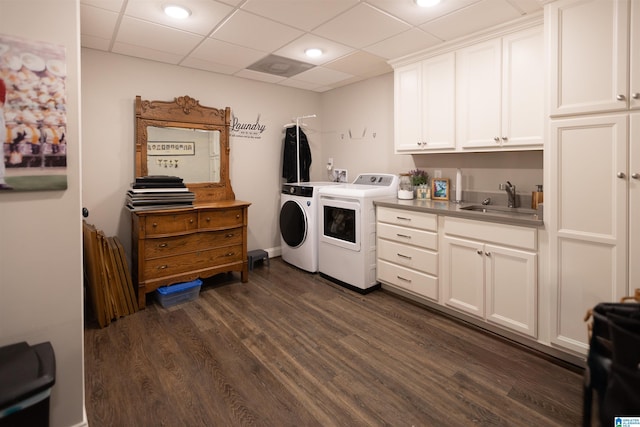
407, 251
489, 271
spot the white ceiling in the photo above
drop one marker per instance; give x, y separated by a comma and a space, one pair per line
227, 36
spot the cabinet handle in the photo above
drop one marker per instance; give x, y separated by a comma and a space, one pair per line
402, 218
487, 253
163, 267
621, 97
403, 279
403, 235
404, 256
635, 175
635, 95
163, 245
505, 139
496, 138
620, 175
479, 251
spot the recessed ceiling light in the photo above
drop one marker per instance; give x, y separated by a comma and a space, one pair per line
313, 52
427, 3
178, 12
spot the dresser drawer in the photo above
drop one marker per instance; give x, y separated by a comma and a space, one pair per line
163, 224
221, 218
164, 246
408, 256
406, 218
410, 236
193, 261
411, 280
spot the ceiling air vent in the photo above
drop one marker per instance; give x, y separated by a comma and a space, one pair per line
279, 66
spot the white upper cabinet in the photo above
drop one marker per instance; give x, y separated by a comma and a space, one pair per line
594, 56
482, 96
424, 105
500, 96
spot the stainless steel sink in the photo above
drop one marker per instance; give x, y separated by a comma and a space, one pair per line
500, 210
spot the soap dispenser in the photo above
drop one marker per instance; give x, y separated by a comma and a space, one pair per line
536, 197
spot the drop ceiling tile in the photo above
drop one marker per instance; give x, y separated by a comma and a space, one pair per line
410, 12
98, 22
220, 52
202, 64
112, 5
303, 14
299, 84
360, 64
331, 50
146, 53
403, 44
153, 36
256, 75
95, 42
252, 31
205, 15
322, 76
361, 26
478, 16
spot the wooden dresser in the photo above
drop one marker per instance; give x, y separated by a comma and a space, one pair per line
179, 245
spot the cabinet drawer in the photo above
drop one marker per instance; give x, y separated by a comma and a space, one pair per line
160, 224
411, 280
217, 219
408, 256
504, 234
410, 236
155, 248
408, 218
193, 261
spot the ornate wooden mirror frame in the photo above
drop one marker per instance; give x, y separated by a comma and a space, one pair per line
186, 112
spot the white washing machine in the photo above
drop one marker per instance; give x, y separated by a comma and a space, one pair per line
299, 223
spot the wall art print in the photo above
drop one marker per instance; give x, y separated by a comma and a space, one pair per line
33, 117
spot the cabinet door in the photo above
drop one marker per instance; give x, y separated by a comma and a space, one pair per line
478, 97
634, 203
588, 55
408, 108
511, 288
438, 107
463, 275
588, 224
523, 89
634, 49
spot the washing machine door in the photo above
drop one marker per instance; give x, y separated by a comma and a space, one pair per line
293, 223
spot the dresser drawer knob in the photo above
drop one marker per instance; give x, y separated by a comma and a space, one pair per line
208, 219
163, 245
229, 254
191, 221
163, 267
237, 216
228, 235
155, 224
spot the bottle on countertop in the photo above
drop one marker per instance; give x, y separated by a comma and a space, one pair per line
537, 197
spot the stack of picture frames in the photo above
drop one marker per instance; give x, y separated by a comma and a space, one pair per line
107, 277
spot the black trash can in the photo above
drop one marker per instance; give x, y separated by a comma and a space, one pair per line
27, 374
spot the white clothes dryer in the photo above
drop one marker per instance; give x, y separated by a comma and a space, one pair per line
299, 224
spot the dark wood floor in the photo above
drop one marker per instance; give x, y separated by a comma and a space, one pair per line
289, 348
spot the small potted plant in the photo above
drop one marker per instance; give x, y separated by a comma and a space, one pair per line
419, 180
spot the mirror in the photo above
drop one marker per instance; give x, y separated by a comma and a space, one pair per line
183, 138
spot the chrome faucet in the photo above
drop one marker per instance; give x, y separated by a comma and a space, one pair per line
511, 192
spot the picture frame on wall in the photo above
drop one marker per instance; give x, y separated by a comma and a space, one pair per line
440, 189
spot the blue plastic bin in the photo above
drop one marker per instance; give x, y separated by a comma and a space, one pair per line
169, 296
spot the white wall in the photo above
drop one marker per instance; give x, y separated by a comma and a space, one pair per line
110, 84
41, 232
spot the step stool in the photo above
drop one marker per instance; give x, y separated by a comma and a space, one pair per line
257, 255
